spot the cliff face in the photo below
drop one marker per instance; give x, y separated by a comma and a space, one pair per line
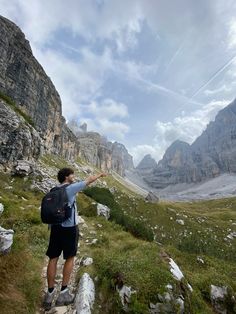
106, 155
212, 153
23, 79
19, 140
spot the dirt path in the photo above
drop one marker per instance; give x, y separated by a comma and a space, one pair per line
70, 309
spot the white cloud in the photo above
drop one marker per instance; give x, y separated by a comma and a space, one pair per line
185, 127
107, 109
222, 89
77, 81
102, 117
113, 130
139, 151
41, 19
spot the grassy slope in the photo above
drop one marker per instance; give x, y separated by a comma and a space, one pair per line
20, 271
139, 261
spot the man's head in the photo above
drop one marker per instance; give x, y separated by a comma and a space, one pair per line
66, 175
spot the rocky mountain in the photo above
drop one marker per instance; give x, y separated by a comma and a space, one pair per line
28, 95
96, 150
212, 153
146, 166
146, 163
23, 79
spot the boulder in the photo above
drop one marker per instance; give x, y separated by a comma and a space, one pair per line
6, 240
87, 261
151, 197
103, 210
1, 208
23, 168
85, 295
218, 295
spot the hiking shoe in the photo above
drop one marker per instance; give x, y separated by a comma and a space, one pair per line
48, 298
65, 298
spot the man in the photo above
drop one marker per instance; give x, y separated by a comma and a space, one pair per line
64, 238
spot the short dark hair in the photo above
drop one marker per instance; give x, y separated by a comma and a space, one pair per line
63, 173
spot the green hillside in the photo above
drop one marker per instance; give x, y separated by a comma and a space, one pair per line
136, 243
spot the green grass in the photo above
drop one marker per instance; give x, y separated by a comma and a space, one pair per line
206, 225
20, 270
141, 266
104, 196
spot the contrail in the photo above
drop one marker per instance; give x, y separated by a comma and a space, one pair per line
150, 85
214, 76
174, 56
153, 86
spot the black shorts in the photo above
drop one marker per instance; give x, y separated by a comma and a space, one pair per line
63, 239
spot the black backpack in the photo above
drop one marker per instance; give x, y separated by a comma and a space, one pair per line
54, 206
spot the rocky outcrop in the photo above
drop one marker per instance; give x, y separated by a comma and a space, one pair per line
19, 140
96, 150
23, 79
6, 237
152, 198
222, 299
86, 295
147, 163
103, 210
213, 153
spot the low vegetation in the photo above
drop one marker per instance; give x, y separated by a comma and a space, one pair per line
20, 270
193, 234
137, 228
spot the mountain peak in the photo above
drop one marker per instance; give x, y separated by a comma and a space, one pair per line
147, 162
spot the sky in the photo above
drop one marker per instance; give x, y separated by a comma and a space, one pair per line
141, 72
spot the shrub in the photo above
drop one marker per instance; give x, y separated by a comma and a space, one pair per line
105, 197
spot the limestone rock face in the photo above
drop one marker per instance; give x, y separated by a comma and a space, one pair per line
173, 168
212, 153
23, 79
96, 150
146, 163
19, 140
218, 141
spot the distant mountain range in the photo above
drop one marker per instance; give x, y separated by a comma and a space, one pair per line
212, 153
33, 125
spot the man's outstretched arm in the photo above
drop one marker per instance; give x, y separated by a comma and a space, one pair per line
91, 179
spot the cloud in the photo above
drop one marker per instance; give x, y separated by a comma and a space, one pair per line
139, 151
78, 81
102, 117
102, 37
187, 128
184, 127
223, 89
41, 19
107, 109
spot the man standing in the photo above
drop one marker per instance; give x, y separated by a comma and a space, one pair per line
64, 238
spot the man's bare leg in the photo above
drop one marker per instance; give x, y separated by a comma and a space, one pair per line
51, 271
67, 270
